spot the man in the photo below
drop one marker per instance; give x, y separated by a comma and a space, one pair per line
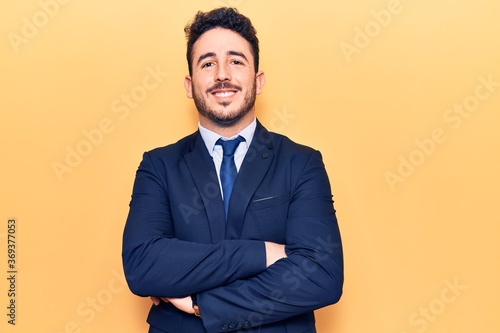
258, 256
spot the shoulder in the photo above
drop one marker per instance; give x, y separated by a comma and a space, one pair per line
172, 153
279, 142
284, 146
183, 145
299, 148
287, 154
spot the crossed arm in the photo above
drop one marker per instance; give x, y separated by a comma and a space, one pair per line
246, 278
274, 252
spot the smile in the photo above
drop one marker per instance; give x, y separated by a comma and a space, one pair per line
224, 93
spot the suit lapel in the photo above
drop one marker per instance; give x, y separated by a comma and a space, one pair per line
202, 169
253, 169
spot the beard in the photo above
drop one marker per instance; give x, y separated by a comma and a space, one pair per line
225, 118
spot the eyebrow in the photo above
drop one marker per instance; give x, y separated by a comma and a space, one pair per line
239, 54
212, 54
204, 56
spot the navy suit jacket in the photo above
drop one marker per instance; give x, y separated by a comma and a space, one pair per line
177, 242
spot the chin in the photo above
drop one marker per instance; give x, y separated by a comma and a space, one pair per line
227, 121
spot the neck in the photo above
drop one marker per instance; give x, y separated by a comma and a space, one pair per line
228, 131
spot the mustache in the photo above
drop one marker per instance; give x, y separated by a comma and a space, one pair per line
223, 85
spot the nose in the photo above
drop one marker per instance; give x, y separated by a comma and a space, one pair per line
223, 73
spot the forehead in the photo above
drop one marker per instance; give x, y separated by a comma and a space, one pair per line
220, 41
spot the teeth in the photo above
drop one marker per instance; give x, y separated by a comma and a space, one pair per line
225, 94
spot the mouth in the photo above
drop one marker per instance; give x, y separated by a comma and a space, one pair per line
224, 93
224, 90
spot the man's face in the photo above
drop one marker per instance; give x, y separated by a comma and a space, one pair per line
223, 82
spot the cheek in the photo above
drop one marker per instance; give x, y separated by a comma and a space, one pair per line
201, 86
247, 82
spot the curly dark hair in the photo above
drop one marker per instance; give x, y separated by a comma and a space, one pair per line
227, 18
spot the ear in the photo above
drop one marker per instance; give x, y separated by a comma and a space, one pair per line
188, 85
260, 80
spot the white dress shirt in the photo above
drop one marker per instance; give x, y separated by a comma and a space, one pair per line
210, 138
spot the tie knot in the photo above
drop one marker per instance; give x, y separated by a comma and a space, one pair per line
229, 146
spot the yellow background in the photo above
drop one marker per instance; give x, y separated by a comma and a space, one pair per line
368, 89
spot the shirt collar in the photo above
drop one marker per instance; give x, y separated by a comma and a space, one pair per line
210, 138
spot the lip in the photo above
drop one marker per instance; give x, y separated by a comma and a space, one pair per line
224, 93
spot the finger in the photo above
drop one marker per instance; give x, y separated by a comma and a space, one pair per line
156, 300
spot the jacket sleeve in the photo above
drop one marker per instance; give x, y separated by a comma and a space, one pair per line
309, 278
158, 264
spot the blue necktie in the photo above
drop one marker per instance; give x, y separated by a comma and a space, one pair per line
228, 170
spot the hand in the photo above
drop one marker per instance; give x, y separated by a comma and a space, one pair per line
156, 300
184, 304
274, 252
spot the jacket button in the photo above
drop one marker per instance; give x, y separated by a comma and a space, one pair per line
232, 325
247, 323
224, 327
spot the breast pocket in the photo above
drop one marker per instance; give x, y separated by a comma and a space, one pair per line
266, 218
268, 202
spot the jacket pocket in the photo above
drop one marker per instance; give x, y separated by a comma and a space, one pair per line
269, 201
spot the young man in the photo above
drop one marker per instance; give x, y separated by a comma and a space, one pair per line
232, 227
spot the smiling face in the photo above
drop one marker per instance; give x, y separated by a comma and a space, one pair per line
223, 83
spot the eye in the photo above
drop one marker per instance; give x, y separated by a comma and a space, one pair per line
236, 62
207, 64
